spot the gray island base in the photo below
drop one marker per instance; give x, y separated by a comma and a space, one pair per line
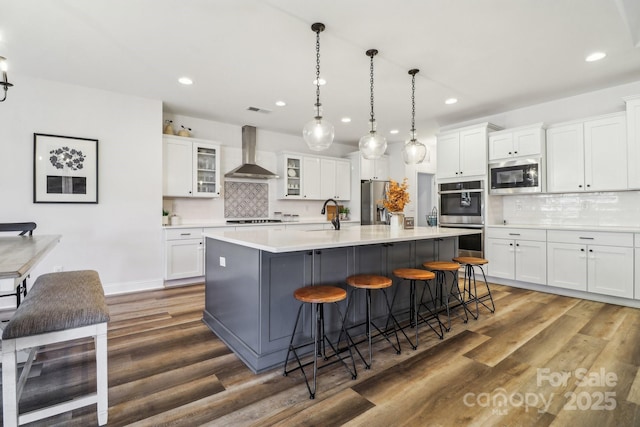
251, 276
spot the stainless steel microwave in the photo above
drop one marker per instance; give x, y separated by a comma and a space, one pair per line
517, 176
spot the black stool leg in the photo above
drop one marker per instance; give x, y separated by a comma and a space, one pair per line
488, 295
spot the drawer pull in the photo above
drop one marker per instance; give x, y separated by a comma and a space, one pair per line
185, 234
586, 238
514, 234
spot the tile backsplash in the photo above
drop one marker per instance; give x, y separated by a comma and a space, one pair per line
246, 200
621, 208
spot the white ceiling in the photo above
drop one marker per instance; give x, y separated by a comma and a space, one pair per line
493, 55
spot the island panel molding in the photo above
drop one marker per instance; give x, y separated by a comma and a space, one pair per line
65, 169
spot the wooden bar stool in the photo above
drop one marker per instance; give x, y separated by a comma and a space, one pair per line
370, 282
414, 275
470, 276
440, 268
317, 296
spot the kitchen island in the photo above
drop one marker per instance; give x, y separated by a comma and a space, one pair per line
251, 275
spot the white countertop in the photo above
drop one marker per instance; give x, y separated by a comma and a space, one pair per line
294, 240
614, 229
224, 224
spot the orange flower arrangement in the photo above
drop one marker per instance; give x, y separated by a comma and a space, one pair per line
397, 196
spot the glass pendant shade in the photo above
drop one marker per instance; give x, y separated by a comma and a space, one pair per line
318, 133
414, 152
372, 145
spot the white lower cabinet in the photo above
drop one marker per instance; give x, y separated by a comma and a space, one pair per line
597, 262
637, 270
517, 254
184, 253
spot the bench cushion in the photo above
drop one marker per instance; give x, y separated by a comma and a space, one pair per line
59, 301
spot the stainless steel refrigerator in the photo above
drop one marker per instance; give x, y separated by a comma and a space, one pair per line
372, 193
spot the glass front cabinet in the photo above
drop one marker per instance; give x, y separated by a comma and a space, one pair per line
191, 167
291, 176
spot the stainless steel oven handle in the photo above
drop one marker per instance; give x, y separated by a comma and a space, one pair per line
479, 190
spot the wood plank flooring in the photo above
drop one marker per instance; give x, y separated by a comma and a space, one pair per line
504, 369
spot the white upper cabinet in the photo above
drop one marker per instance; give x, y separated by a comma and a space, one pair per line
290, 180
191, 167
314, 177
524, 142
462, 153
335, 179
633, 141
588, 156
375, 169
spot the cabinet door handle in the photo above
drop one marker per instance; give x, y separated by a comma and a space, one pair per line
586, 238
310, 253
588, 185
318, 252
509, 152
518, 244
456, 173
510, 244
591, 250
515, 152
580, 186
582, 250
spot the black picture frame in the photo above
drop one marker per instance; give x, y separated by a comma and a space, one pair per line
65, 169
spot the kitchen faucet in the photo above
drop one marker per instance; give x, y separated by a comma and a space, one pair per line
335, 220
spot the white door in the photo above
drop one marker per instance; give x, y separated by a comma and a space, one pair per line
473, 152
567, 266
311, 178
528, 142
328, 179
448, 165
184, 258
501, 146
500, 253
605, 152
565, 158
177, 168
381, 168
611, 270
343, 180
531, 262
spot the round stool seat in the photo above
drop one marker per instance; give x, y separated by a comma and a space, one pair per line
413, 274
441, 265
471, 260
369, 281
320, 294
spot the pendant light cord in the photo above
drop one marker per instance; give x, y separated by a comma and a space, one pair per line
371, 53
318, 116
413, 107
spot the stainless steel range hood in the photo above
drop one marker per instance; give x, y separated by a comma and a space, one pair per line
249, 168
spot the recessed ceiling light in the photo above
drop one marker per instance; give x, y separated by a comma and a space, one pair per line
346, 120
185, 81
281, 103
595, 56
394, 131
451, 101
322, 82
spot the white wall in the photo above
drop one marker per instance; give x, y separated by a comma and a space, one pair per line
268, 144
121, 236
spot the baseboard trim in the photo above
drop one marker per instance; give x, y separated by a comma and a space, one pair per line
131, 287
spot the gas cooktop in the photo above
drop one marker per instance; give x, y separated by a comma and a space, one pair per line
252, 221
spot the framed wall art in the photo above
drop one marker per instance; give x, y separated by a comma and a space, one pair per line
65, 169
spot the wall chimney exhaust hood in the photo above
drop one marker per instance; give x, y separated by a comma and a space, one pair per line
249, 168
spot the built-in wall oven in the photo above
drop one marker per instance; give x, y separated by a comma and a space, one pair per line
462, 206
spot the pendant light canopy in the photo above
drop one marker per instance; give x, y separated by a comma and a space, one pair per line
414, 151
318, 133
372, 145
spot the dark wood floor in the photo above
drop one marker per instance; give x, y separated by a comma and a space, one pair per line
505, 369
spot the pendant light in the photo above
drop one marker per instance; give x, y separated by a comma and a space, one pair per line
318, 133
414, 151
372, 145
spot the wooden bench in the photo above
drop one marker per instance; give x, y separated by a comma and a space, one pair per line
60, 307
